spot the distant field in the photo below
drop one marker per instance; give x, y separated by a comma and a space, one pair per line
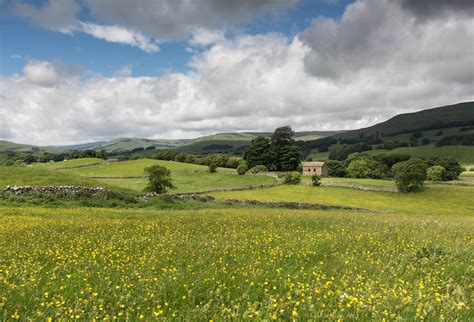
132, 168
362, 182
434, 200
69, 163
33, 176
240, 264
464, 154
195, 182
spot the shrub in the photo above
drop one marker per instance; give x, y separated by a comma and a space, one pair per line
212, 167
453, 168
292, 178
258, 168
435, 173
409, 175
471, 169
159, 179
242, 168
366, 168
336, 168
316, 180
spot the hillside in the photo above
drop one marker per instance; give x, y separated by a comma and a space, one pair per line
444, 117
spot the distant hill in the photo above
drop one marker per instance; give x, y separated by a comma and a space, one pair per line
15, 147
444, 117
237, 142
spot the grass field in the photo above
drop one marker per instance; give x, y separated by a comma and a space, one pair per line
233, 265
69, 163
132, 168
195, 182
464, 154
435, 199
34, 176
361, 182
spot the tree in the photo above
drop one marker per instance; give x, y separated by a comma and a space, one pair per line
336, 169
366, 167
285, 154
452, 166
278, 153
212, 166
435, 173
258, 152
410, 175
159, 179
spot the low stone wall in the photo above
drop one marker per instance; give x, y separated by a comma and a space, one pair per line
294, 205
56, 190
176, 197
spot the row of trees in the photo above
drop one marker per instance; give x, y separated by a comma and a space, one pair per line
11, 158
363, 165
212, 160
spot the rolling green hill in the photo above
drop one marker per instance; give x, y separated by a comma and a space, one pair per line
444, 117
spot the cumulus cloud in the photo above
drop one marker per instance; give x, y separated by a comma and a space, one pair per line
40, 73
174, 20
373, 63
430, 8
54, 14
117, 34
60, 15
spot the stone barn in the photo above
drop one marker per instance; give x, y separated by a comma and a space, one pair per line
311, 168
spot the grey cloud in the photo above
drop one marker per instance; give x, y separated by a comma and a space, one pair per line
54, 14
173, 20
430, 8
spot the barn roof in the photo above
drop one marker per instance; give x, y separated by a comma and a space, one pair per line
313, 164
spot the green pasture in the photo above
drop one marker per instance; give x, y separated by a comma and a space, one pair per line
195, 182
69, 163
132, 168
433, 200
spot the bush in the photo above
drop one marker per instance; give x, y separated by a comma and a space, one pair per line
159, 179
435, 173
471, 169
453, 168
212, 167
258, 168
292, 178
366, 168
336, 169
316, 180
409, 175
242, 168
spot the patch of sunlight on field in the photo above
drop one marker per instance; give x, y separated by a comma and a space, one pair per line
195, 182
132, 168
434, 199
233, 265
69, 163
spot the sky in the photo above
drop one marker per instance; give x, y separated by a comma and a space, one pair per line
76, 71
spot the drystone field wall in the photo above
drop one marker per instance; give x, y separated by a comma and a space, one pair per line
56, 190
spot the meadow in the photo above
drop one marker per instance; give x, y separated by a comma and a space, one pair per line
263, 264
133, 168
195, 182
409, 256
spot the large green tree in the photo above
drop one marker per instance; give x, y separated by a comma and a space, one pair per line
258, 153
285, 154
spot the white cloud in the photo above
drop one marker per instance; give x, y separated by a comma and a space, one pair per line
377, 61
117, 34
40, 72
